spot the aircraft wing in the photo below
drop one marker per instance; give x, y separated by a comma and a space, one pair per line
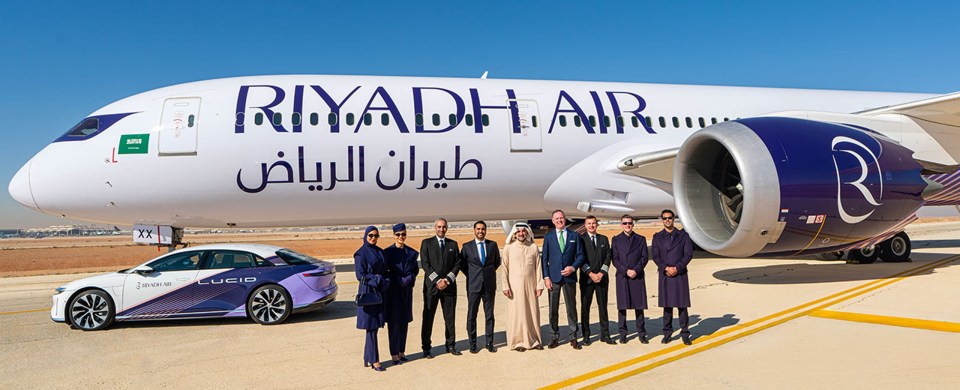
943, 110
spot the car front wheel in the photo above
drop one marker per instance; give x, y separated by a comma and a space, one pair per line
91, 310
269, 305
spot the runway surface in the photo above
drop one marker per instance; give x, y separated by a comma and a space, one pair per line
757, 323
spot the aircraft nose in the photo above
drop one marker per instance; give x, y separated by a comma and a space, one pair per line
20, 187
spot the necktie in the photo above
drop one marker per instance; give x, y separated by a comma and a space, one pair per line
441, 244
594, 239
483, 253
562, 241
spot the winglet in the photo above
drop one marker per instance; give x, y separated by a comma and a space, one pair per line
484, 75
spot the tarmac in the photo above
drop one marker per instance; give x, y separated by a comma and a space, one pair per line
756, 323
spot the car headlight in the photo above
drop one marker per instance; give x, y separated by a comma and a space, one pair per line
60, 290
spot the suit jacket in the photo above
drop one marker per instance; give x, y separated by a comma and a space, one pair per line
480, 277
439, 263
553, 260
597, 257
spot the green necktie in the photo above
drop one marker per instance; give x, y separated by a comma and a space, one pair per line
562, 241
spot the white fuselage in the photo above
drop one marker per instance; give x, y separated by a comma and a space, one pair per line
206, 171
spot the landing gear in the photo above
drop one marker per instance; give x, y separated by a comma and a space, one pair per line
896, 249
866, 255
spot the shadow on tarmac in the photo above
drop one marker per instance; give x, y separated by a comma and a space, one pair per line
827, 271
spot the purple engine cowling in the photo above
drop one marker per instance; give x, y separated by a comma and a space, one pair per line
776, 186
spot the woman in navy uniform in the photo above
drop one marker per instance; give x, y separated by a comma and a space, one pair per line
402, 261
371, 270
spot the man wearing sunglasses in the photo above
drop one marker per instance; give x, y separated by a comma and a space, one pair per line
630, 257
672, 252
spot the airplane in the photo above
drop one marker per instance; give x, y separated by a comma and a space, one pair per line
750, 171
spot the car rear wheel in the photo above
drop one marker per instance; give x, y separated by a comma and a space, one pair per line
269, 305
91, 310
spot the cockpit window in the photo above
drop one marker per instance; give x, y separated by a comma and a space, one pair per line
84, 128
91, 126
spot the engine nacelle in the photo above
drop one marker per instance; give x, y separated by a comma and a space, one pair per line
783, 186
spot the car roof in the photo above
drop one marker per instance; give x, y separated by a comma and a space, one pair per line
261, 250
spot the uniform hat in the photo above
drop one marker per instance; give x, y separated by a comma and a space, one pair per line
399, 227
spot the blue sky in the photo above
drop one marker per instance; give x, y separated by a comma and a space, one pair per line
59, 61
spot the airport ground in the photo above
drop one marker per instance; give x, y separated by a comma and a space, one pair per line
757, 323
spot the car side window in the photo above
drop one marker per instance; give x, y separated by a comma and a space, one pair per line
230, 259
185, 261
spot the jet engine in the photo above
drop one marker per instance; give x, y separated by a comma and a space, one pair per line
783, 186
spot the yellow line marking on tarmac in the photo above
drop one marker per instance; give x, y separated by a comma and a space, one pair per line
915, 323
3, 313
870, 286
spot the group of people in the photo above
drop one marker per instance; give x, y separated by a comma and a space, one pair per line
566, 259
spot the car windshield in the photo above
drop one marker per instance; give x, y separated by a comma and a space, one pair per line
295, 258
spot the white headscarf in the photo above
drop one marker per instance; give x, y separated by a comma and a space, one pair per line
511, 238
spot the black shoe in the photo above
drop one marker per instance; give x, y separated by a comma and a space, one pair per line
403, 358
623, 339
379, 369
686, 340
575, 344
491, 348
538, 348
608, 340
520, 349
665, 340
644, 340
396, 362
553, 344
453, 351
586, 341
427, 354
474, 349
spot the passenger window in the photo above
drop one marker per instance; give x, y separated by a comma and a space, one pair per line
485, 119
295, 118
469, 120
577, 121
676, 122
190, 120
277, 118
86, 127
620, 121
535, 121
385, 119
635, 122
240, 118
419, 119
453, 119
702, 123
593, 121
230, 259
436, 119
713, 120
725, 119
606, 120
689, 122
258, 119
184, 261
563, 121
350, 119
649, 122
663, 123
332, 119
367, 119
314, 119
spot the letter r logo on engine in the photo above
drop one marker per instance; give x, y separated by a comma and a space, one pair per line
856, 148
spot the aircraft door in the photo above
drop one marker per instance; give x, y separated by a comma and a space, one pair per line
179, 123
527, 135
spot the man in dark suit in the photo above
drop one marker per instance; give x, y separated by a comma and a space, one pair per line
561, 256
440, 258
594, 279
480, 259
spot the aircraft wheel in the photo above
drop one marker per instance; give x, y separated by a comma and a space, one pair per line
896, 249
863, 255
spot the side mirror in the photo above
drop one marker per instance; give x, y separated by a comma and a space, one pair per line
144, 270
